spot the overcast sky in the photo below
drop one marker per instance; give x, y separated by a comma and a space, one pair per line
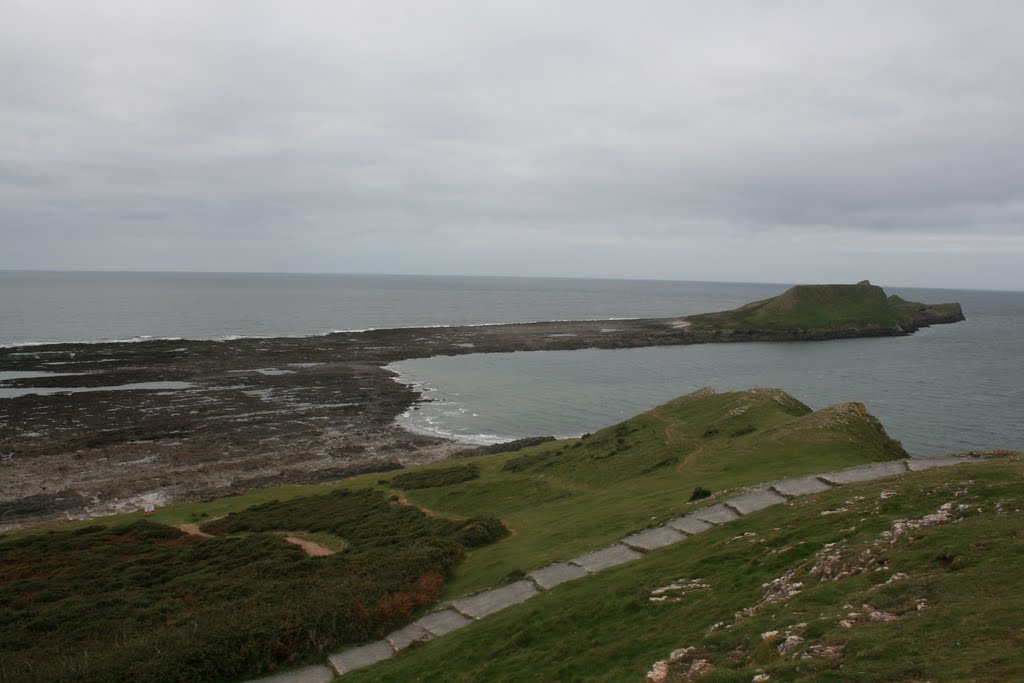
749, 141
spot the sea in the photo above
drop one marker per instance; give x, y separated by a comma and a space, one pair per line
947, 388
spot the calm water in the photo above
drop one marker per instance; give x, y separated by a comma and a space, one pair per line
945, 389
948, 388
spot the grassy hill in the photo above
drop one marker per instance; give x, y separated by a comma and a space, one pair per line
568, 496
816, 307
133, 598
911, 579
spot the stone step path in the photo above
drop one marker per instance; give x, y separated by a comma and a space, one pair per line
465, 611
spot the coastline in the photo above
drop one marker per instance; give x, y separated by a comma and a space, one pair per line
260, 411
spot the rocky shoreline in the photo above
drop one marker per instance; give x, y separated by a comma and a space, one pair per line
249, 413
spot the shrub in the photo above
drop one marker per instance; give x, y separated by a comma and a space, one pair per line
699, 493
480, 531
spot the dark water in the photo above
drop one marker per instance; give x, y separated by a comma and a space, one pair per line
948, 388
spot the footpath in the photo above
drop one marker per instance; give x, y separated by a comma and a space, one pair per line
464, 611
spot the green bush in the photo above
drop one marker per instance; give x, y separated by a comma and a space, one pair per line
699, 493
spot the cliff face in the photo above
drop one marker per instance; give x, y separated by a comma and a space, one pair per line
939, 314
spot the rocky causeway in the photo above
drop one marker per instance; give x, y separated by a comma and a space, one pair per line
95, 428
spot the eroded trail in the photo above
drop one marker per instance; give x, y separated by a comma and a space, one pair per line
309, 547
194, 530
405, 501
672, 440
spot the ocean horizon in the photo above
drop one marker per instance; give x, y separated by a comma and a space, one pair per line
950, 387
50, 307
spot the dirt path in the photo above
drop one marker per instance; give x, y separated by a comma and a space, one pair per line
672, 440
692, 456
405, 501
430, 513
194, 530
309, 547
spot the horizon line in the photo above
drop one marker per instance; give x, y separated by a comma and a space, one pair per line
463, 275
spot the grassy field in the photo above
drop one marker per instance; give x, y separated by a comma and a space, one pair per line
911, 579
811, 307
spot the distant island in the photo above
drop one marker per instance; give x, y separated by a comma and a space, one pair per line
862, 306
224, 417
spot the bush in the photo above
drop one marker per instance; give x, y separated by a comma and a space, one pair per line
480, 531
699, 493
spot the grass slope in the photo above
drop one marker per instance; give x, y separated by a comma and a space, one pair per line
558, 499
911, 579
815, 307
565, 497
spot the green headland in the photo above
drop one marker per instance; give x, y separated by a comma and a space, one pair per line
829, 307
871, 581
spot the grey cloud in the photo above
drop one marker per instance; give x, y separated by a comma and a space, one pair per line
165, 129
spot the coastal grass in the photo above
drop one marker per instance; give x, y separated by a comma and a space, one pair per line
432, 478
566, 497
946, 597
